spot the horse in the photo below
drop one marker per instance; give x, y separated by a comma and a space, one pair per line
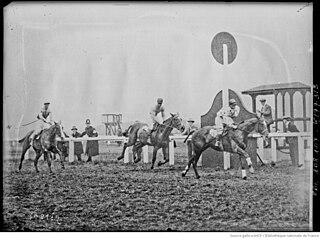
138, 134
45, 144
233, 141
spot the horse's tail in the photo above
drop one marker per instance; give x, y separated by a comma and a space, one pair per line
25, 137
125, 133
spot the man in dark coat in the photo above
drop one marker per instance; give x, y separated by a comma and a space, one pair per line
266, 113
78, 148
92, 148
289, 126
190, 128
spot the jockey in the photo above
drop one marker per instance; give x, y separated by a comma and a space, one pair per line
157, 110
44, 121
225, 117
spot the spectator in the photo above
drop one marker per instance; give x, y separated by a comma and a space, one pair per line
266, 113
190, 128
289, 126
92, 148
78, 148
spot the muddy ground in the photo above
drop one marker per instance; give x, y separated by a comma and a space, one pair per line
108, 195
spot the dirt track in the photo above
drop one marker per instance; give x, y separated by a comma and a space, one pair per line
108, 195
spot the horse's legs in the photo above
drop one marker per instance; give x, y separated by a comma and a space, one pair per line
194, 155
57, 151
194, 164
243, 153
39, 153
25, 147
165, 150
123, 151
47, 157
154, 155
136, 150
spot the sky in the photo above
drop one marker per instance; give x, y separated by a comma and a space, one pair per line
89, 59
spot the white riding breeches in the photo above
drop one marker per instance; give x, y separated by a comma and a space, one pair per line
219, 121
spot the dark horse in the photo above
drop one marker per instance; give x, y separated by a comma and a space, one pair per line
138, 136
233, 141
45, 144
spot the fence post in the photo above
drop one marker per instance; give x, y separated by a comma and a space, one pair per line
145, 151
260, 149
171, 153
273, 150
126, 155
200, 161
71, 150
301, 152
226, 160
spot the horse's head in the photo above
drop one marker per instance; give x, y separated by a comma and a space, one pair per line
58, 130
176, 122
261, 128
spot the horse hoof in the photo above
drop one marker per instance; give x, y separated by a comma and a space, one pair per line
244, 178
151, 167
198, 177
183, 174
119, 158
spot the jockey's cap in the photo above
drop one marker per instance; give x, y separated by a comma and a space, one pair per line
47, 103
263, 100
74, 128
190, 120
232, 102
87, 121
159, 100
287, 117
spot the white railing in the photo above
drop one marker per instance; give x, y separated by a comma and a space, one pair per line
260, 150
145, 149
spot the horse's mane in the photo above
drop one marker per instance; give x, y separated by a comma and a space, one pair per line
245, 123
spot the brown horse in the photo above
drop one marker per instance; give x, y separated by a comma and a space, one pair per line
233, 141
45, 144
138, 134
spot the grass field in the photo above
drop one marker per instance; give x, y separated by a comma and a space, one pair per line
108, 195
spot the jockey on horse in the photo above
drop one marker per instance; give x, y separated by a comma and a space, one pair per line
225, 117
155, 111
44, 121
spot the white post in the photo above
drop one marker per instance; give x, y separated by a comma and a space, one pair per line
126, 155
273, 150
225, 100
171, 153
145, 151
301, 153
71, 150
200, 161
28, 155
260, 149
226, 160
